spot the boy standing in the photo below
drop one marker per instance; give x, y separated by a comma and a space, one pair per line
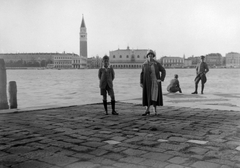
106, 76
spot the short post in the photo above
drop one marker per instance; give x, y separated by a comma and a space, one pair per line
3, 86
12, 92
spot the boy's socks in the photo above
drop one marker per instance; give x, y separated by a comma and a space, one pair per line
105, 106
113, 107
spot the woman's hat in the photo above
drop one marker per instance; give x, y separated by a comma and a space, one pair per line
150, 52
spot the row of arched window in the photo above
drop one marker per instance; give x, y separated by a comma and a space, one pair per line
127, 66
127, 56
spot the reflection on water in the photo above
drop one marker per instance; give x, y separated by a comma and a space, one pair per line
70, 87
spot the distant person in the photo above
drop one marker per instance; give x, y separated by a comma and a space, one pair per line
106, 76
150, 81
201, 70
174, 85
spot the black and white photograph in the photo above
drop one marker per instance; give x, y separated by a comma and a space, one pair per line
119, 84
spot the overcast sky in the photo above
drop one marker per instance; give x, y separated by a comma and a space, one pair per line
170, 27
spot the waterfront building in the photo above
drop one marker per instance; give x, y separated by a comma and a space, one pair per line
214, 60
172, 62
49, 60
66, 61
187, 63
195, 60
94, 62
83, 45
127, 58
233, 60
27, 59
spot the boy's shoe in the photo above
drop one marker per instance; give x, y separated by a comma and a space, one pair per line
194, 92
114, 113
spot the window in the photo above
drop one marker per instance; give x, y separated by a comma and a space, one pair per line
120, 56
138, 56
127, 56
113, 56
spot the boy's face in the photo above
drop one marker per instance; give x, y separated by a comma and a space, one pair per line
105, 63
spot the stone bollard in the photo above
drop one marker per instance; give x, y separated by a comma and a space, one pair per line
12, 92
3, 86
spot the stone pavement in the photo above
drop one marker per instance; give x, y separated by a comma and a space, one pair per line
84, 137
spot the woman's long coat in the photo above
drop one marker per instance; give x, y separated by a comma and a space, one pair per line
146, 81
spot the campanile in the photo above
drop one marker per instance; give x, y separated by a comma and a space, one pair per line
83, 44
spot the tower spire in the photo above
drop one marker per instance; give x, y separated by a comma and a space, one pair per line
83, 22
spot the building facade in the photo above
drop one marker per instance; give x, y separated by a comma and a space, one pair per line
48, 60
214, 60
66, 61
27, 59
94, 62
172, 62
233, 60
127, 58
83, 45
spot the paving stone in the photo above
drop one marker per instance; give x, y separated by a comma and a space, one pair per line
153, 163
197, 142
114, 156
157, 156
11, 159
112, 142
198, 150
178, 160
174, 166
37, 154
134, 152
99, 152
162, 140
59, 160
93, 144
20, 149
32, 164
178, 139
83, 165
84, 156
77, 134
132, 159
201, 164
118, 138
127, 165
176, 147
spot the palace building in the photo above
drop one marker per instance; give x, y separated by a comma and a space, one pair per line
127, 58
233, 60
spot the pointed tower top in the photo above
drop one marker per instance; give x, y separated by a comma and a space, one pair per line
83, 23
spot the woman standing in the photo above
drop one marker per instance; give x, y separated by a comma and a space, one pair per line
150, 81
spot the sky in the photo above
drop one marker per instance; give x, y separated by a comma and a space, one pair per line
169, 27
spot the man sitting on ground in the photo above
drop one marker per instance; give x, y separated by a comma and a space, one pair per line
174, 85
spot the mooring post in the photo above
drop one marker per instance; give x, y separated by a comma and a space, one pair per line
3, 86
12, 92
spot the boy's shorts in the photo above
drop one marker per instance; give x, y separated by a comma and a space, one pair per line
107, 89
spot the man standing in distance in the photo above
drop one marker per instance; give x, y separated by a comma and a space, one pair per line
201, 70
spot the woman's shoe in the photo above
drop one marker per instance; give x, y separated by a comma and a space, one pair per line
114, 113
146, 113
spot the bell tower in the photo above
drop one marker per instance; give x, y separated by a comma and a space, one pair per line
83, 44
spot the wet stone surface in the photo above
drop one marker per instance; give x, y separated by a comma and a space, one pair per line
83, 136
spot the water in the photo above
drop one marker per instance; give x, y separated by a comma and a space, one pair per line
73, 87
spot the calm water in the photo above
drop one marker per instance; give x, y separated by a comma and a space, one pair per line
71, 87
